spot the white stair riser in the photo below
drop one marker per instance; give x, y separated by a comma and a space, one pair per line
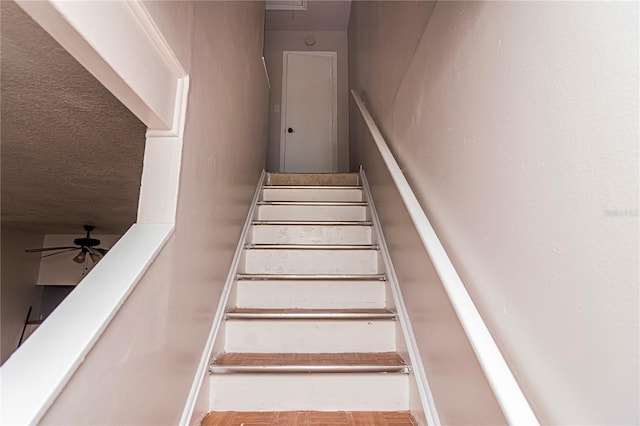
296, 261
311, 294
301, 212
317, 392
313, 194
310, 336
311, 234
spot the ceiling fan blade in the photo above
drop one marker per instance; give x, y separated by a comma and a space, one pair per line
36, 250
100, 250
59, 252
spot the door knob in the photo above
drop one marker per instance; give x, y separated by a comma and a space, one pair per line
290, 130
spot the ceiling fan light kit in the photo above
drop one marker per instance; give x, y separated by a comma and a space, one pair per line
85, 245
80, 257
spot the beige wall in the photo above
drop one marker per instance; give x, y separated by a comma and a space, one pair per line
18, 290
141, 369
516, 123
277, 42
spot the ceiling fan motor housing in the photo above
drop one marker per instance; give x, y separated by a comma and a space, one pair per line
85, 245
86, 242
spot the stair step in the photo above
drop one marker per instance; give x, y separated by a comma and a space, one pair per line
310, 314
300, 418
312, 212
313, 179
310, 234
311, 293
352, 362
314, 277
312, 193
300, 260
310, 335
303, 391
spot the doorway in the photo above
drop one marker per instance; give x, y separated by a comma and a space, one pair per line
308, 138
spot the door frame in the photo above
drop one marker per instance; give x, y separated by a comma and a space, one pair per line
334, 116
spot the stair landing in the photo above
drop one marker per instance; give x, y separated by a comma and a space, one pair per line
299, 418
313, 179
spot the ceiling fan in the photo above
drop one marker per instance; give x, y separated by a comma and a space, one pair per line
86, 245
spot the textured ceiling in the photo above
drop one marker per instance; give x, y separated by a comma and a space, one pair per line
321, 15
71, 153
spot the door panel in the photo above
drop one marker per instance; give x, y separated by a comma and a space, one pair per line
309, 113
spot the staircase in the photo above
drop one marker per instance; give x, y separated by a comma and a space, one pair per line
310, 334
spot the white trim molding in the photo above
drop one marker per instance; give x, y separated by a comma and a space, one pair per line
157, 39
162, 161
334, 114
508, 393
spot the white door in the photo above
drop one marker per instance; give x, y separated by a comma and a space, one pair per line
309, 94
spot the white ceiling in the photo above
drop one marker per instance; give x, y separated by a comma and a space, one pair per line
71, 153
321, 15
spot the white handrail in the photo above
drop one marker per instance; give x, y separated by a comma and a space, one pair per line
514, 404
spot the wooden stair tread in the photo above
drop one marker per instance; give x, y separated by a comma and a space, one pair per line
310, 359
313, 179
299, 418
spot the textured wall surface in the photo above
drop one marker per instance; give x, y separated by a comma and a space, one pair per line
145, 361
71, 152
277, 42
18, 289
516, 123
